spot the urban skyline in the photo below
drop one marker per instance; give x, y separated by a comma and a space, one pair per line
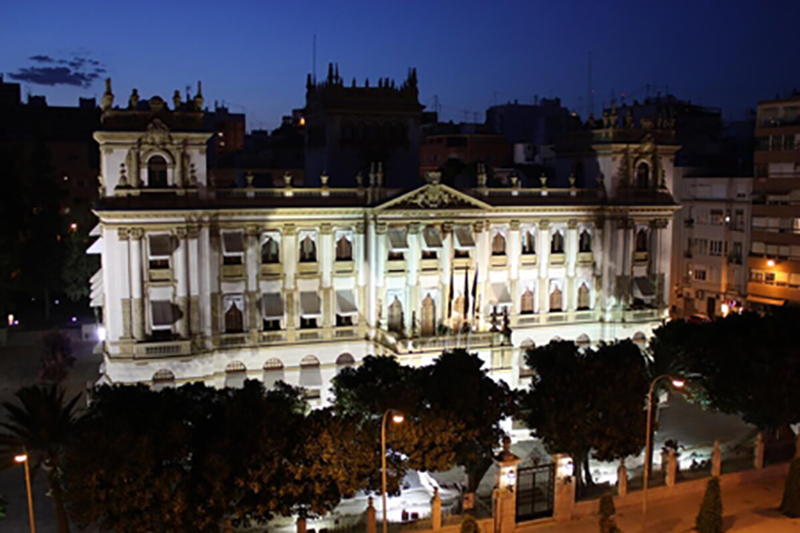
467, 56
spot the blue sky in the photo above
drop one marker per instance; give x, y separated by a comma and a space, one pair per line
254, 55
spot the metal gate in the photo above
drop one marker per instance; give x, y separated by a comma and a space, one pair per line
535, 491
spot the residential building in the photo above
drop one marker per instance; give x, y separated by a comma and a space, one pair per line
200, 283
775, 250
350, 129
712, 236
468, 145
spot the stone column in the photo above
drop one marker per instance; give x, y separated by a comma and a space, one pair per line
381, 257
484, 252
570, 292
605, 262
514, 255
362, 273
622, 479
182, 281
372, 523
672, 468
758, 459
436, 510
372, 264
127, 301
412, 275
446, 261
289, 265
252, 260
137, 303
543, 247
193, 233
716, 460
326, 267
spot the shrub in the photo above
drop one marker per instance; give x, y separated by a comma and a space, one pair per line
790, 506
709, 519
469, 524
606, 513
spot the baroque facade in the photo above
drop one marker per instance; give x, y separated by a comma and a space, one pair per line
200, 283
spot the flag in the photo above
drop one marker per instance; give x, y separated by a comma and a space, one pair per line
466, 295
475, 293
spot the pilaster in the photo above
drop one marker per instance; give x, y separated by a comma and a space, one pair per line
137, 305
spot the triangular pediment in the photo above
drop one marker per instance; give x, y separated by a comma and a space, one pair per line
434, 196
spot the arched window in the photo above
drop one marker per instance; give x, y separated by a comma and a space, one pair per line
273, 365
344, 360
235, 374
641, 240
163, 376
583, 340
555, 300
498, 244
308, 250
273, 372
309, 361
528, 243
584, 298
643, 176
396, 316
557, 244
585, 242
344, 249
526, 303
234, 317
157, 172
310, 374
428, 316
270, 251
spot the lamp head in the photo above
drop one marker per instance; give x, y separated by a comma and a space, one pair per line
397, 417
21, 458
678, 383
771, 262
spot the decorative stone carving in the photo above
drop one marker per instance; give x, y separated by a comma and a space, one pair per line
544, 224
447, 228
136, 233
157, 134
433, 196
478, 226
123, 234
181, 232
543, 180
361, 228
108, 97
572, 223
198, 98
413, 228
193, 231
252, 231
325, 229
133, 101
514, 225
192, 175
380, 228
123, 179
289, 229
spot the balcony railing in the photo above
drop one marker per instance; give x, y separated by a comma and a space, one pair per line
343, 267
232, 272
585, 258
558, 259
308, 268
396, 265
271, 269
529, 260
429, 264
640, 257
154, 350
499, 261
160, 274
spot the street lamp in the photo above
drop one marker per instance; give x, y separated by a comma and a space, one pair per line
397, 418
678, 383
22, 458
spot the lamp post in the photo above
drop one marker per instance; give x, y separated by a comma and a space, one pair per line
677, 383
397, 418
23, 459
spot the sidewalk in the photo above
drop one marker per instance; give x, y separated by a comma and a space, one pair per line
746, 508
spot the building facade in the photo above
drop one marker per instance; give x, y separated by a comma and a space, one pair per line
712, 236
775, 250
293, 283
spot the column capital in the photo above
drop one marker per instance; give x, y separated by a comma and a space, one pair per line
572, 223
123, 234
479, 226
514, 225
659, 223
544, 224
326, 229
447, 228
361, 228
181, 232
193, 231
252, 231
289, 229
136, 233
413, 228
628, 223
380, 228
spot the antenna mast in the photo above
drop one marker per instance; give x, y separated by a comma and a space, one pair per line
589, 90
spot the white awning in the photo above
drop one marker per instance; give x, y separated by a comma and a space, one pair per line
97, 292
95, 231
643, 288
162, 313
346, 303
160, 246
502, 296
272, 306
96, 248
398, 239
233, 243
432, 237
766, 301
464, 237
310, 305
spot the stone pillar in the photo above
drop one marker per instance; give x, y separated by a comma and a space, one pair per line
570, 291
653, 255
182, 282
381, 256
447, 267
505, 494
125, 304
622, 479
716, 460
326, 267
252, 261
289, 265
137, 302
372, 523
436, 510
564, 497
505, 507
362, 273
372, 263
193, 233
301, 525
672, 468
543, 247
758, 460
483, 252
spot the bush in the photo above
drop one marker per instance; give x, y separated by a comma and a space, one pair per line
2, 508
790, 506
709, 519
469, 524
606, 513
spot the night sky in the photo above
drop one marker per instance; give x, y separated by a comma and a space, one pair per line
255, 55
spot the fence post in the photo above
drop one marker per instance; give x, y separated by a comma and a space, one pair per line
716, 460
622, 479
372, 524
228, 526
564, 497
506, 483
672, 468
797, 445
758, 460
436, 510
301, 525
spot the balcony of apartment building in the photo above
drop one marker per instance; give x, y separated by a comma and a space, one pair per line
773, 281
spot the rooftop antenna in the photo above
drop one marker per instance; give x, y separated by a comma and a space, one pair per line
589, 89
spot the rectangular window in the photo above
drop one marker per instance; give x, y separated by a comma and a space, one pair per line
162, 317
757, 276
232, 248
717, 217
160, 250
788, 142
715, 248
700, 274
429, 254
272, 311
776, 142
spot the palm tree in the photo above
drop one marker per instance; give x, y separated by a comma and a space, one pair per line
41, 426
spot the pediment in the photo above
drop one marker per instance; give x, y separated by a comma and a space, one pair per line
434, 196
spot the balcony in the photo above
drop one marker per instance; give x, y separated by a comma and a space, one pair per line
585, 258
640, 257
462, 262
270, 337
346, 332
395, 265
308, 268
232, 272
343, 267
156, 350
642, 315
160, 275
231, 340
688, 223
269, 270
557, 259
529, 260
429, 265
309, 334
499, 261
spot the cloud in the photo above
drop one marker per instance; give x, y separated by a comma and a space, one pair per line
77, 71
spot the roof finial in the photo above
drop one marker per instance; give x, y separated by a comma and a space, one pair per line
133, 101
108, 97
176, 99
198, 98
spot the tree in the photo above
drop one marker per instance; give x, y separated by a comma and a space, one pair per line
41, 425
790, 505
78, 265
709, 519
606, 513
57, 359
584, 400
